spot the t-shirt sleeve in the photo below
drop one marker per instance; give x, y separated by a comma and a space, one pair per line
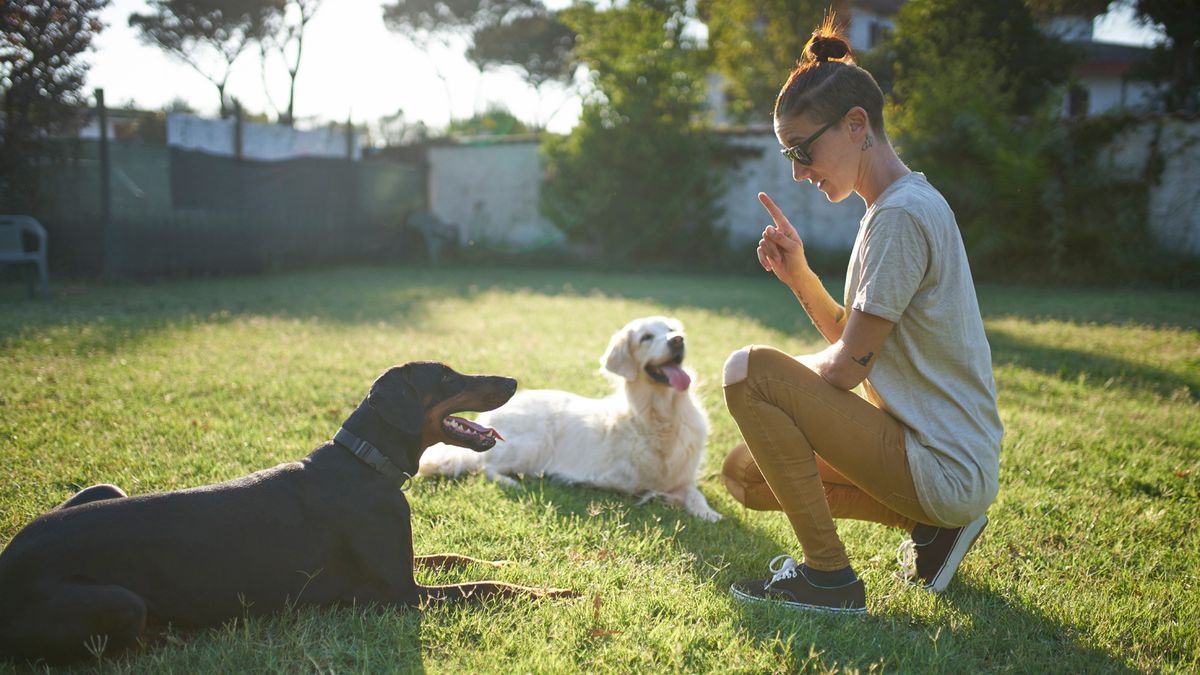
895, 257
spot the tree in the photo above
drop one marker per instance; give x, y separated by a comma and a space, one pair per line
974, 104
284, 35
755, 44
208, 35
1178, 59
429, 21
539, 45
41, 76
637, 176
930, 33
426, 23
495, 121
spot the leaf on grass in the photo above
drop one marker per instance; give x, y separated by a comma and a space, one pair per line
1183, 473
599, 632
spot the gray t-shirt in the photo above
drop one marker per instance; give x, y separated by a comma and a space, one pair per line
935, 371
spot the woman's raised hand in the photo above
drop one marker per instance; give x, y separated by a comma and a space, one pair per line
781, 250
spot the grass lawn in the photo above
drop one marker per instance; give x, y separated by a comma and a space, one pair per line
1090, 564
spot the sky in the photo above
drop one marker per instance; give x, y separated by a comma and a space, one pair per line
355, 68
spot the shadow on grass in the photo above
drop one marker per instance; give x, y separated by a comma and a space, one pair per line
710, 544
368, 294
117, 317
120, 315
1101, 371
996, 635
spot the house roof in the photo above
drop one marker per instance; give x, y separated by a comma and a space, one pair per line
1107, 58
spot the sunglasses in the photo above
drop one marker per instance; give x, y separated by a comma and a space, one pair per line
799, 152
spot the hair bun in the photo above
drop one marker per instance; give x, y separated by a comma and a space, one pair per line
828, 48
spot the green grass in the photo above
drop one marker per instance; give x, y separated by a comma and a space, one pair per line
1090, 563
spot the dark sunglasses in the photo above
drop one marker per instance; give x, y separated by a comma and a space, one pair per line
799, 152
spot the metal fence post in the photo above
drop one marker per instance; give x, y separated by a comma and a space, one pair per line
109, 260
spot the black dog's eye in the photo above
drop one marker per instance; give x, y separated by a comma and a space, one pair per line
647, 337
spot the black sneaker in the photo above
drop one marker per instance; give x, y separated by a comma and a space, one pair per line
931, 561
790, 587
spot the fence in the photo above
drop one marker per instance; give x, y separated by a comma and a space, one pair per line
175, 211
178, 211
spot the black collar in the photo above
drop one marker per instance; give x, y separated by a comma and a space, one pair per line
372, 457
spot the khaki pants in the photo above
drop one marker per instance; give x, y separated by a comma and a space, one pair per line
816, 453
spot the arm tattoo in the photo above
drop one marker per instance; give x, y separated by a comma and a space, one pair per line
864, 360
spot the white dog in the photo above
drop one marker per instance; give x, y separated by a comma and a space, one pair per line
646, 438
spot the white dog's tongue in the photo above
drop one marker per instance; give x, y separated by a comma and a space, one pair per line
677, 377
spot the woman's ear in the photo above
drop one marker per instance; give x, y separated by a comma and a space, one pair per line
617, 358
858, 122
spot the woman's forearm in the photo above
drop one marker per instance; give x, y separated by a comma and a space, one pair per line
827, 315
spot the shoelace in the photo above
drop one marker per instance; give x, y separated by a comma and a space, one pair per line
906, 557
785, 569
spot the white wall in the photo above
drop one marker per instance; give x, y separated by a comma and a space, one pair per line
1175, 200
267, 142
822, 225
1110, 93
490, 194
859, 30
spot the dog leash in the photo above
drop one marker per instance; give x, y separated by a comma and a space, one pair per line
372, 457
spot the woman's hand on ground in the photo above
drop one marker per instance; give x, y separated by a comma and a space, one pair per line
781, 250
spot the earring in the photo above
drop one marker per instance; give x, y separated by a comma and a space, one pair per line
867, 143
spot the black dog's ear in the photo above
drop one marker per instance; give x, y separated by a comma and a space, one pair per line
396, 400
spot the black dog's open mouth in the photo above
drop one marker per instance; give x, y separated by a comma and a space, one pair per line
670, 373
470, 434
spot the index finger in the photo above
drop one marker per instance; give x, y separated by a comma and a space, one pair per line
781, 220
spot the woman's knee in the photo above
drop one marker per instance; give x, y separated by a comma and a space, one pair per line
737, 366
753, 360
744, 481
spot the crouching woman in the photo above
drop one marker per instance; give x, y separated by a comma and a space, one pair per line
921, 451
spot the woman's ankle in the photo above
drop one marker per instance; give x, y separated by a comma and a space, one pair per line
829, 578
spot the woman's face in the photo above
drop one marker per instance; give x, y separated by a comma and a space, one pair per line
835, 155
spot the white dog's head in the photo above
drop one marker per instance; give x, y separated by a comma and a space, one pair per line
652, 347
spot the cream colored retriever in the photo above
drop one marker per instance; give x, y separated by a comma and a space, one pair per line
647, 438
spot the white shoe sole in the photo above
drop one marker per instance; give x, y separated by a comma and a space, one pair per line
798, 605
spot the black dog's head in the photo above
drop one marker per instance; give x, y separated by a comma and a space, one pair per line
421, 398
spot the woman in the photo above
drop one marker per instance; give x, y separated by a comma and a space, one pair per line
921, 452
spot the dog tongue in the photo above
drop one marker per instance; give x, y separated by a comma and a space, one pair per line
677, 377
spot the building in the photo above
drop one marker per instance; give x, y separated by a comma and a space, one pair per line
1103, 80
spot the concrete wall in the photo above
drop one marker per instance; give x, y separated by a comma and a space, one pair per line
1175, 199
1111, 93
822, 225
490, 194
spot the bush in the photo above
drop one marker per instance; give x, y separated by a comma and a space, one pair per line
637, 178
1033, 197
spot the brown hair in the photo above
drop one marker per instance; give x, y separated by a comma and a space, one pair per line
827, 83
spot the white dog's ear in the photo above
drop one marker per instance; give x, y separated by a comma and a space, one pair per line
618, 359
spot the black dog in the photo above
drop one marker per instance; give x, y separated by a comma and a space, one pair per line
332, 528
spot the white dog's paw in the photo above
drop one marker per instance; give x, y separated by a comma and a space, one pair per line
697, 505
502, 480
